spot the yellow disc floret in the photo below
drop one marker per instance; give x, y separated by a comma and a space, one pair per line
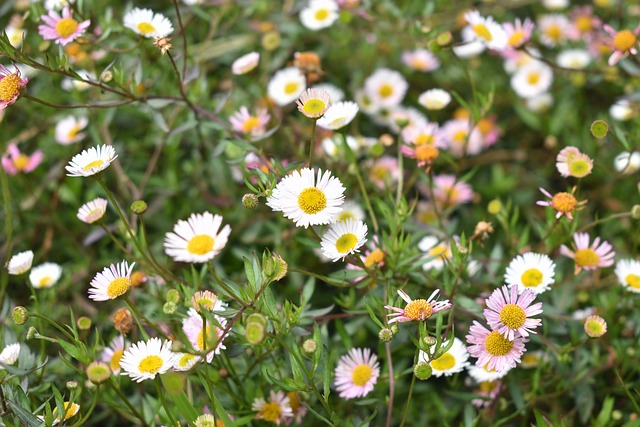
271, 412
200, 244
444, 362
66, 27
9, 87
118, 287
312, 200
145, 28
564, 202
531, 278
587, 258
633, 280
418, 309
497, 345
361, 375
150, 364
624, 40
346, 242
513, 316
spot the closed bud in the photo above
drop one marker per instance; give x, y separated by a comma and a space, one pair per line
31, 333
395, 329
271, 40
106, 76
429, 341
138, 278
72, 385
385, 335
139, 207
123, 321
444, 39
494, 207
599, 129
250, 201
20, 315
173, 296
422, 371
309, 346
84, 323
256, 318
595, 326
169, 307
635, 212
98, 372
254, 333
281, 267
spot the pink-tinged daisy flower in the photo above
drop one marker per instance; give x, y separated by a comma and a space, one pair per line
384, 171
460, 139
277, 410
518, 33
15, 162
572, 162
92, 211
248, 124
447, 192
112, 354
313, 103
356, 374
564, 203
201, 338
492, 349
113, 282
417, 310
245, 63
510, 313
420, 60
489, 130
589, 257
585, 21
63, 29
10, 86
555, 29
595, 326
623, 42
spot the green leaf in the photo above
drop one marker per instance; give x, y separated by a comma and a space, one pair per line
78, 352
326, 373
185, 407
222, 413
25, 417
604, 417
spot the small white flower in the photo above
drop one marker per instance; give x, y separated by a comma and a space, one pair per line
531, 271
350, 209
92, 211
319, 14
148, 24
20, 263
91, 161
555, 4
452, 361
15, 35
628, 273
45, 275
627, 163
197, 240
621, 110
212, 341
486, 30
69, 83
113, 282
575, 59
555, 29
245, 63
185, 361
343, 238
539, 103
10, 354
338, 115
386, 88
434, 99
286, 86
144, 360
68, 130
436, 252
532, 80
470, 46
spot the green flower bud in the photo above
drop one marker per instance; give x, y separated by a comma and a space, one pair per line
31, 333
422, 371
599, 129
309, 346
254, 333
429, 341
635, 212
173, 296
256, 318
250, 201
395, 329
169, 307
72, 385
139, 207
20, 315
84, 323
385, 335
98, 372
444, 39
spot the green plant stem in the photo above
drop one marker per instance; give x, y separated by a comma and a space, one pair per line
125, 399
139, 316
312, 143
8, 227
408, 403
605, 219
164, 402
153, 258
114, 239
223, 285
392, 383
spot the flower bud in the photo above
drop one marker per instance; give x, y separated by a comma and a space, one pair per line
173, 296
84, 323
635, 212
20, 315
494, 207
281, 267
256, 318
309, 346
139, 207
72, 385
271, 40
31, 333
250, 201
422, 371
98, 372
385, 335
106, 76
138, 278
395, 329
595, 326
444, 39
254, 333
599, 129
123, 321
429, 341
169, 307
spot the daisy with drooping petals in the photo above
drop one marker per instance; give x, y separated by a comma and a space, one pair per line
20, 263
68, 130
416, 310
245, 123
277, 410
486, 30
624, 42
146, 359
205, 336
319, 14
356, 373
286, 86
14, 162
530, 271
112, 282
628, 273
492, 349
518, 33
386, 88
198, 239
343, 238
10, 86
45, 275
70, 410
510, 313
572, 162
92, 211
589, 257
308, 200
481, 374
420, 60
63, 29
245, 63
112, 355
10, 354
434, 99
452, 361
313, 103
532, 79
148, 24
91, 161
338, 115
185, 361
564, 203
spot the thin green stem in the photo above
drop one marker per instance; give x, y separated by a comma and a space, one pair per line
223, 285
408, 403
392, 383
139, 316
91, 408
605, 219
164, 402
114, 239
312, 143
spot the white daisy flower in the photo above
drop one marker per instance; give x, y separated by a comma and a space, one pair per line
112, 355
148, 24
319, 14
10, 354
532, 80
420, 60
434, 99
113, 282
628, 272
470, 46
45, 275
68, 130
277, 410
575, 59
194, 330
386, 88
627, 163
198, 239
91, 161
459, 139
335, 93
621, 110
480, 374
487, 30
245, 63
539, 103
338, 115
555, 29
286, 86
20, 263
452, 361
530, 271
92, 211
185, 361
343, 238
307, 200
144, 360
350, 209
555, 4
437, 252
57, 4
15, 35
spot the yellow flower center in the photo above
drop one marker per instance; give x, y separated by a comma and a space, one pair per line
624, 40
9, 87
564, 202
145, 28
185, 360
385, 90
379, 172
584, 24
294, 401
70, 409
311, 200
290, 88
579, 168
418, 309
200, 244
21, 161
66, 26
460, 136
73, 131
633, 280
114, 363
345, 215
513, 316
439, 251
531, 278
94, 215
594, 328
554, 32
587, 258
444, 362
516, 39
118, 287
426, 153
322, 14
45, 282
211, 338
93, 165
346, 242
533, 78
485, 126
271, 412
314, 107
424, 138
375, 257
497, 345
250, 124
483, 32
151, 364
361, 375
530, 359
418, 64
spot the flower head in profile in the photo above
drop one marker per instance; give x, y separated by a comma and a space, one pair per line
205, 336
510, 313
146, 359
207, 301
628, 274
343, 238
416, 310
92, 211
198, 239
564, 203
63, 29
277, 410
248, 124
356, 374
437, 252
185, 361
9, 354
10, 85
450, 362
589, 257
20, 263
91, 161
530, 271
420, 60
308, 200
313, 103
572, 162
147, 23
15, 162
70, 410
45, 275
338, 115
623, 42
245, 63
492, 349
319, 14
113, 354
112, 282
68, 130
